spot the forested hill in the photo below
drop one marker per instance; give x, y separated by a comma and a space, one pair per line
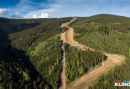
23, 43
106, 18
13, 25
30, 49
107, 33
102, 22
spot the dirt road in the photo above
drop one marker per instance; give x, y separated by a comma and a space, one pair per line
63, 73
63, 76
84, 81
68, 37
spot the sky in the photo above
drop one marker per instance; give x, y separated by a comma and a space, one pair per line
62, 8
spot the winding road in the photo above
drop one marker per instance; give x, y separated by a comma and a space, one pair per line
63, 76
85, 81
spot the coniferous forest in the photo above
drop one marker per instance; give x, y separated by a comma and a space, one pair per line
31, 54
80, 62
107, 33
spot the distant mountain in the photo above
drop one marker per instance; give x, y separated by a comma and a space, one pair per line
106, 18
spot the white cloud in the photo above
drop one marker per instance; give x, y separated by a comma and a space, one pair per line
16, 15
32, 9
41, 15
2, 11
37, 14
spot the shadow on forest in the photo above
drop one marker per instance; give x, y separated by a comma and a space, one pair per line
12, 54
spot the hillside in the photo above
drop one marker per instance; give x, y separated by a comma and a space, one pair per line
106, 18
53, 53
32, 51
109, 35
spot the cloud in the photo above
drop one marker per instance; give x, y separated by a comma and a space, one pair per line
2, 11
29, 9
64, 8
92, 7
16, 15
33, 4
37, 14
33, 9
42, 15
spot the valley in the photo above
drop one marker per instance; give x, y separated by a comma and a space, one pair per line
64, 53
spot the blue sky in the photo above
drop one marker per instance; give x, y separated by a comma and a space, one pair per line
62, 8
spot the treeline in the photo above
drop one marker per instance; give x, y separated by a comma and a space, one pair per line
104, 18
80, 62
15, 25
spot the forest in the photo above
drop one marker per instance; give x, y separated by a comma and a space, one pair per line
31, 54
109, 37
106, 33
80, 62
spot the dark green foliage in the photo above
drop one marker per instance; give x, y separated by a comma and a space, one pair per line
47, 61
14, 75
11, 74
10, 25
30, 51
80, 62
41, 45
32, 36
